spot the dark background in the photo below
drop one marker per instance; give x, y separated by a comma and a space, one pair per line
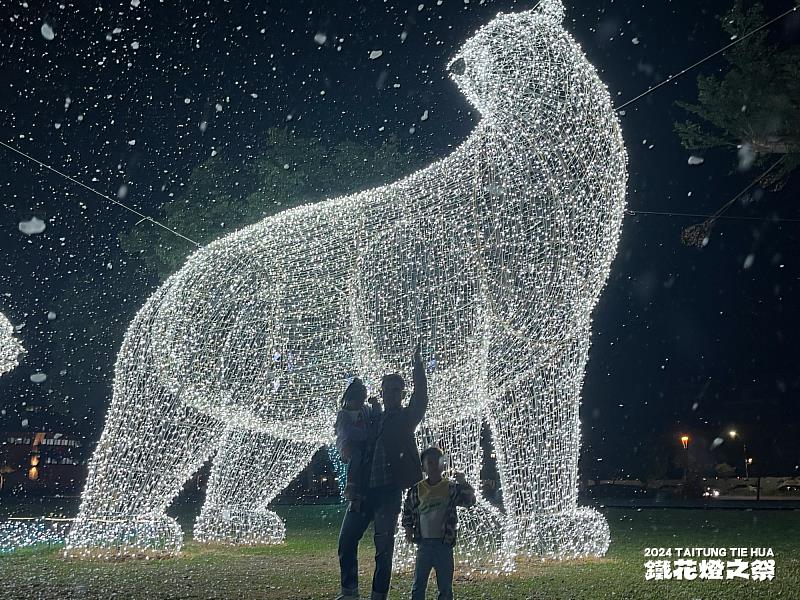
685, 339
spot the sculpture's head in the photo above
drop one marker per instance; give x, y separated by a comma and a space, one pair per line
513, 58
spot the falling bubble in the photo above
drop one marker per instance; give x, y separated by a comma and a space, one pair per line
320, 38
32, 227
746, 157
47, 32
696, 160
717, 442
375, 54
38, 377
51, 316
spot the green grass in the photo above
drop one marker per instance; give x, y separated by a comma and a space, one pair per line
305, 567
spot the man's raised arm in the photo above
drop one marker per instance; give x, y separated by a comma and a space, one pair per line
419, 399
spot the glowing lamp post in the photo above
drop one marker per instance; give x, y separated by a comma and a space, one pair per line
685, 443
747, 461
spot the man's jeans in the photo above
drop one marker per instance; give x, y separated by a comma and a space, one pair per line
433, 553
383, 507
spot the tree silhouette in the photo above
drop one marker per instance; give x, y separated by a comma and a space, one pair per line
228, 192
755, 107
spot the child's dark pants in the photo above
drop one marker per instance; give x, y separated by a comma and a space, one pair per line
433, 553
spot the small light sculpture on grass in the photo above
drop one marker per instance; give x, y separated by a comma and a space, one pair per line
494, 255
10, 347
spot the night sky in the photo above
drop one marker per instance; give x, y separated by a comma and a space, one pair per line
694, 340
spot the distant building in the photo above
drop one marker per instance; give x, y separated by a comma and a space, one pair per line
43, 457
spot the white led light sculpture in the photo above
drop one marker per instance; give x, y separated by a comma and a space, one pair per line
494, 255
10, 347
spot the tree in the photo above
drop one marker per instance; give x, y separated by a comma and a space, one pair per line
755, 107
228, 192
724, 470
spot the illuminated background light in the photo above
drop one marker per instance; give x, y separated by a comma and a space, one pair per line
495, 256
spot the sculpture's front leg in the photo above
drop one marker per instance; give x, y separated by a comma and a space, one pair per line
534, 420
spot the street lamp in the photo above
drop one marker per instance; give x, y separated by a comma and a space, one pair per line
747, 462
685, 443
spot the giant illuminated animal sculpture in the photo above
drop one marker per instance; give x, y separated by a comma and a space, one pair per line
10, 347
494, 255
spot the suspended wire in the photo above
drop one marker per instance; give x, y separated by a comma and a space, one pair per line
143, 217
752, 184
718, 213
705, 216
707, 58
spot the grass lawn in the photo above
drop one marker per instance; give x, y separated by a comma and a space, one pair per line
305, 566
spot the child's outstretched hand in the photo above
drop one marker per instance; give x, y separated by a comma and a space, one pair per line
459, 477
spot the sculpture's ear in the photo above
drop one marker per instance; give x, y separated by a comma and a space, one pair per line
552, 8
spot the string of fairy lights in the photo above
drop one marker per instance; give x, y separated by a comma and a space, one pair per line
494, 255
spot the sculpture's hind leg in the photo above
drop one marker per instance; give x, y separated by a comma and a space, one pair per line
480, 528
151, 444
249, 470
536, 431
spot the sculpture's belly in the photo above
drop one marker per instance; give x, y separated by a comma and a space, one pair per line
256, 328
420, 280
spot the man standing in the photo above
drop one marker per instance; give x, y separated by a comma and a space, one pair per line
395, 467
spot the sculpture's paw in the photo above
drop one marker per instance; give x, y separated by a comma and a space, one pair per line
123, 536
480, 545
581, 531
239, 526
